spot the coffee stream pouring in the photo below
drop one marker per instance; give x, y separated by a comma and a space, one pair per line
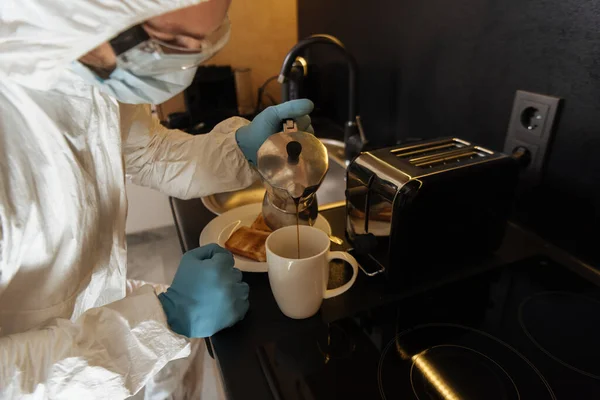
292, 165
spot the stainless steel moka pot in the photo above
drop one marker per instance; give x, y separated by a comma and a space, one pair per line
292, 165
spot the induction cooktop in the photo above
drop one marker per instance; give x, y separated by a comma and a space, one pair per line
530, 330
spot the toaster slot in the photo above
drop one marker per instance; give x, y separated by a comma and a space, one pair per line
454, 157
430, 149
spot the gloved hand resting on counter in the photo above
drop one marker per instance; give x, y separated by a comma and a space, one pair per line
269, 121
207, 293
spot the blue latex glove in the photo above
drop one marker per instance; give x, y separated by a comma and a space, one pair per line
207, 293
268, 122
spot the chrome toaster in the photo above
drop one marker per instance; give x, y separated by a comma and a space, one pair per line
421, 210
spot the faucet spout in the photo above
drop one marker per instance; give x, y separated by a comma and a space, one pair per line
354, 138
286, 67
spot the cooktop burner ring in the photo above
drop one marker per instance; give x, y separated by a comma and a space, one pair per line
448, 396
537, 343
393, 343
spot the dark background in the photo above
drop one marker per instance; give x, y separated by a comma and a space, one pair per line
451, 68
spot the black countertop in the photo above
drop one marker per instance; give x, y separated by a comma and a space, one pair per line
235, 348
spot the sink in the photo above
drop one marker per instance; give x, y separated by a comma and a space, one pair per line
331, 192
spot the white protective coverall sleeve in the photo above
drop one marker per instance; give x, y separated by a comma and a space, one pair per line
66, 329
179, 164
108, 353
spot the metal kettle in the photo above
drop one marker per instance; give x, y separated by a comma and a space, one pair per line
292, 165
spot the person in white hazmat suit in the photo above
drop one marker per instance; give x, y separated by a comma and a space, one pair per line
76, 81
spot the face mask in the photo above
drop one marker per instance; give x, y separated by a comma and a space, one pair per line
151, 71
133, 89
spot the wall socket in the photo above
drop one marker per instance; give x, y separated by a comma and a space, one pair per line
532, 126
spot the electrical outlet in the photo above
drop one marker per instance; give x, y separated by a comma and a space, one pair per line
532, 126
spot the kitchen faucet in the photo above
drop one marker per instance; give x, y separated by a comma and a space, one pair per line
354, 137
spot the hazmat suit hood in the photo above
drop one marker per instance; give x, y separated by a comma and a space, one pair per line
39, 38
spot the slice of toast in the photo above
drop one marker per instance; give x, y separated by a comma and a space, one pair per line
248, 242
260, 224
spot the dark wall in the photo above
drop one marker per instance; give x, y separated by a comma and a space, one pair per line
439, 68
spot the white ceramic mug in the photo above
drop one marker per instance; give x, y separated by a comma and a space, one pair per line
300, 284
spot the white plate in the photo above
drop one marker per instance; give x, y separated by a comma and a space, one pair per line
219, 229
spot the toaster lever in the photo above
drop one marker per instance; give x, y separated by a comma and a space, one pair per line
366, 259
364, 245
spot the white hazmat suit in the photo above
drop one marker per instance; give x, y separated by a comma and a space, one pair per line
67, 328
